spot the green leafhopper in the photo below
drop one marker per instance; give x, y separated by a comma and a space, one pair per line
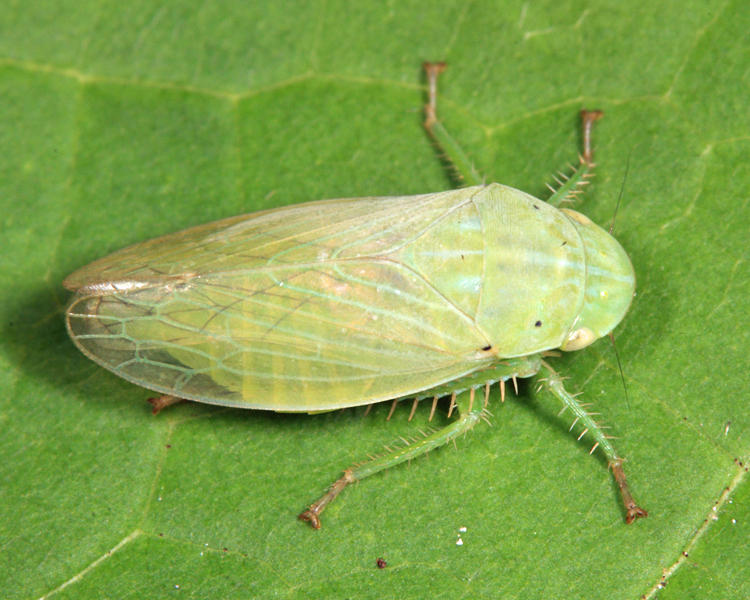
346, 302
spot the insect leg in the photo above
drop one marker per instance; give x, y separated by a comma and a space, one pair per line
554, 383
454, 154
466, 421
570, 186
159, 403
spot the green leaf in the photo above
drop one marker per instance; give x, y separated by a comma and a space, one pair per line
121, 122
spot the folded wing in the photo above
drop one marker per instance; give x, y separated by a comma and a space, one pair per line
303, 308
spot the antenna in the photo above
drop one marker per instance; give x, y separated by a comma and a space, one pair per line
619, 366
619, 197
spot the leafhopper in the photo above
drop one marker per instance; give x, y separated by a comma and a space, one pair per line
347, 302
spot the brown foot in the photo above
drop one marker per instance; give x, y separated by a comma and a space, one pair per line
312, 514
432, 69
632, 510
161, 402
588, 117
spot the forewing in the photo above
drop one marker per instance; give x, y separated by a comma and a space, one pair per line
303, 308
299, 234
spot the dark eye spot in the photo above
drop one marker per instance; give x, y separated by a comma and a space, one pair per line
487, 348
565, 242
536, 207
538, 324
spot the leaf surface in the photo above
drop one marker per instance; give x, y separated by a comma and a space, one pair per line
122, 122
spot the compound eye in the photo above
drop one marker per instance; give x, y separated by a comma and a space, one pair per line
579, 338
